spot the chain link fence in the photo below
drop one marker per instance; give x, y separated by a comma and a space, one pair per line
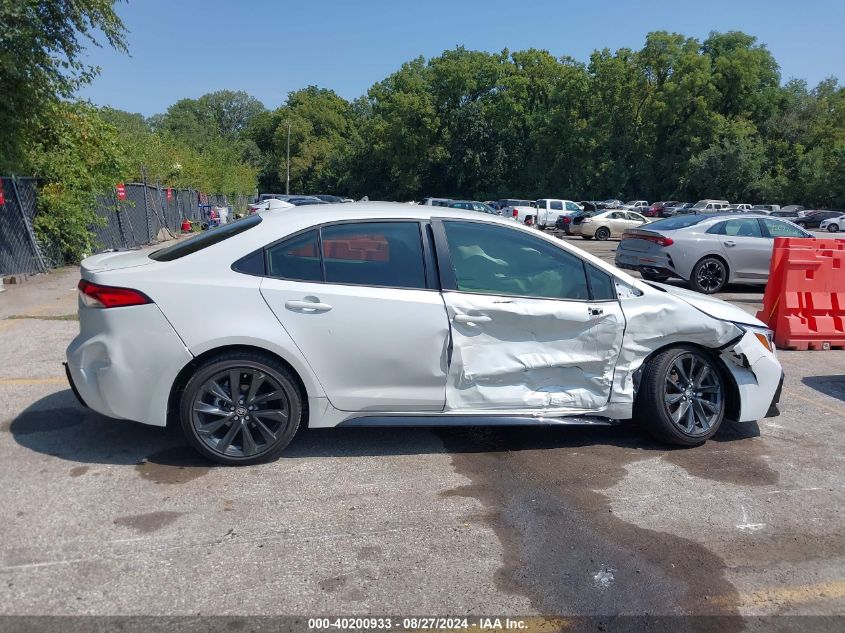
149, 213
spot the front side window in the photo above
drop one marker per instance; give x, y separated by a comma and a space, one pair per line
776, 228
500, 261
571, 206
374, 254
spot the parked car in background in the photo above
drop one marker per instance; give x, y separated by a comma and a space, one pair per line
765, 208
795, 209
549, 210
301, 201
569, 223
791, 214
739, 207
610, 223
613, 203
813, 219
834, 224
680, 207
519, 210
325, 197
338, 319
268, 205
707, 251
590, 205
436, 202
709, 206
473, 205
636, 205
656, 210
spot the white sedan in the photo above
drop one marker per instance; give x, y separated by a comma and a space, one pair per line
833, 225
389, 314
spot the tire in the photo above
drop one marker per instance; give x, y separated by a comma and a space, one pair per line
209, 415
833, 228
652, 277
586, 237
709, 275
669, 405
602, 233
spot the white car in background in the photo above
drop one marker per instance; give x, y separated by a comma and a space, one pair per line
374, 314
833, 225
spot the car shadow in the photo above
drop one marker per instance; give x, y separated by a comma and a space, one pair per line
58, 426
833, 386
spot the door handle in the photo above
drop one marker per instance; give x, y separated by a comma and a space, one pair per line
729, 243
595, 311
468, 318
315, 306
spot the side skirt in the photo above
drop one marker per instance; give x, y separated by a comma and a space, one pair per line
475, 420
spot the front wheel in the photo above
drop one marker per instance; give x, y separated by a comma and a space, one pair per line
681, 399
709, 275
833, 228
240, 408
602, 234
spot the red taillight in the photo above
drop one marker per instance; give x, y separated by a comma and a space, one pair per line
660, 240
567, 219
515, 213
97, 296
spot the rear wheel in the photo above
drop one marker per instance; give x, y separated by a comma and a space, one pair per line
602, 234
833, 228
709, 275
681, 399
240, 408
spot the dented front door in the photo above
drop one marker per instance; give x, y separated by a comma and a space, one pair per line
533, 327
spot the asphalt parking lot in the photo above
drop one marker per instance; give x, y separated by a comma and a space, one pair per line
111, 517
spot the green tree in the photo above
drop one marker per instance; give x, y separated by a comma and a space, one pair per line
41, 62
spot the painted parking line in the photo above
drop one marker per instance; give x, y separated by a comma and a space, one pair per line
52, 380
798, 594
816, 403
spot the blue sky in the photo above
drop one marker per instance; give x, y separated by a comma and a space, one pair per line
185, 48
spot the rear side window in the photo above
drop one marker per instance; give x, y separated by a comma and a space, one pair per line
557, 205
297, 258
204, 240
374, 254
745, 227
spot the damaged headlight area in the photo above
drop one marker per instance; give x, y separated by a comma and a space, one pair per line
738, 351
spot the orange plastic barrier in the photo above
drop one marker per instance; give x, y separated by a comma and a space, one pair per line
804, 301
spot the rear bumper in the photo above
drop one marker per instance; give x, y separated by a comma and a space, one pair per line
124, 362
73, 386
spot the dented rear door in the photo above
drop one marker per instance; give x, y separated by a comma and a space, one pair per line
533, 327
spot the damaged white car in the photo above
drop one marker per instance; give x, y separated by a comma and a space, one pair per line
391, 314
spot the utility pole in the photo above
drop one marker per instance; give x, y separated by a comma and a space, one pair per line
287, 162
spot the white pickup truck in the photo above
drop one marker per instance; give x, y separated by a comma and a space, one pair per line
549, 210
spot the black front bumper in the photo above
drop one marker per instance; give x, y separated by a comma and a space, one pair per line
73, 386
773, 407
